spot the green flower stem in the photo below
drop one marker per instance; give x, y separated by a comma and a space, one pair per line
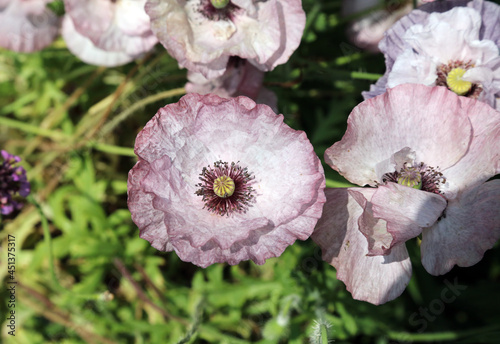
365, 76
33, 129
138, 105
338, 184
103, 147
440, 336
324, 334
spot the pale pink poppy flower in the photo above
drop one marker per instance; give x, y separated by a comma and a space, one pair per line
203, 34
427, 155
224, 180
454, 44
107, 33
241, 78
27, 25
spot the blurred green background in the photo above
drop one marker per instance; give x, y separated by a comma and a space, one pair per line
74, 126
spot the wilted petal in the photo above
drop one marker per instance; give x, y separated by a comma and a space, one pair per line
375, 279
471, 226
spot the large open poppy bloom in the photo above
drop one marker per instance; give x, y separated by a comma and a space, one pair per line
224, 180
107, 33
447, 43
203, 34
27, 25
427, 155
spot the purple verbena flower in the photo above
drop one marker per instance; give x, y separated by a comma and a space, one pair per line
12, 181
454, 44
428, 155
224, 180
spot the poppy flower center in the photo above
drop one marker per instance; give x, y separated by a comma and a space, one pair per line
216, 9
219, 3
456, 83
450, 75
418, 176
225, 188
411, 177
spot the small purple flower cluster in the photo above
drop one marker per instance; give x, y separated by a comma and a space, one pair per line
12, 181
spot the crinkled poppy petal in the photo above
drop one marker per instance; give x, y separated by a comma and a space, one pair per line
375, 279
114, 40
200, 130
148, 219
241, 78
449, 36
91, 18
375, 230
121, 26
85, 50
470, 226
412, 68
490, 12
377, 88
481, 161
291, 20
428, 120
406, 210
27, 26
448, 32
132, 19
393, 43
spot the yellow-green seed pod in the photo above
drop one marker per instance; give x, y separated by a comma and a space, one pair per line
411, 178
224, 187
219, 3
456, 83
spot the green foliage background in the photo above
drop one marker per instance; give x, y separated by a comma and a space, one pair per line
84, 275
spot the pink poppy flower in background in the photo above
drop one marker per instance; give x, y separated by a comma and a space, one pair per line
428, 155
367, 31
27, 25
224, 180
443, 45
240, 79
203, 34
107, 33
